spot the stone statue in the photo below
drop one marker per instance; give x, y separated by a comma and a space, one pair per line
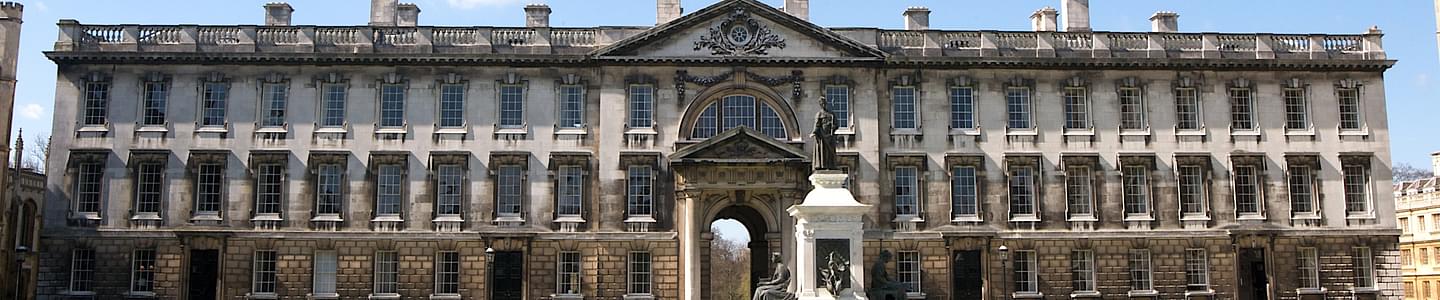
881, 286
825, 140
773, 288
836, 274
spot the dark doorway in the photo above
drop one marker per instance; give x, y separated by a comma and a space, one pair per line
508, 276
968, 276
756, 253
1254, 284
204, 269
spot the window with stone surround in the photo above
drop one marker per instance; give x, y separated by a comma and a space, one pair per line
965, 175
1248, 178
1082, 270
82, 270
962, 104
452, 105
1188, 109
568, 273
326, 265
387, 273
642, 106
1192, 176
447, 273
904, 105
329, 170
1424, 256
1405, 257
97, 100
572, 106
1076, 102
1133, 116
512, 105
1347, 94
263, 280
1297, 107
388, 172
837, 96
509, 169
1242, 106
1301, 171
1017, 108
1135, 171
274, 102
215, 93
1197, 270
735, 110
89, 170
907, 265
570, 171
209, 179
1364, 264
907, 186
1141, 279
640, 191
156, 93
638, 281
1359, 203
450, 185
332, 104
1026, 272
149, 170
392, 104
269, 175
1080, 187
1308, 268
142, 271
1022, 173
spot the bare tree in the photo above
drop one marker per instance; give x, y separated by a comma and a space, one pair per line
1407, 172
37, 152
729, 269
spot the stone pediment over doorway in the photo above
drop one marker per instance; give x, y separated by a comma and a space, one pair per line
740, 145
744, 29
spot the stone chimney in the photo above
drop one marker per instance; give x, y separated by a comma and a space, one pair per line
278, 14
1165, 21
407, 15
1435, 164
382, 12
1077, 14
798, 8
537, 15
917, 18
667, 10
1044, 19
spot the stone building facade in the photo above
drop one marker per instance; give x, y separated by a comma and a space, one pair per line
1417, 206
403, 161
17, 212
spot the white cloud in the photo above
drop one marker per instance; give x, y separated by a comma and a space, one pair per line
469, 4
40, 6
33, 111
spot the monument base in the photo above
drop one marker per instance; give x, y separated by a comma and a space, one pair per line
828, 222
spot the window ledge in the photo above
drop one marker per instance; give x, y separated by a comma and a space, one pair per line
1207, 292
1360, 217
265, 296
904, 131
152, 128
1310, 291
384, 296
908, 219
1367, 290
323, 296
640, 219
914, 295
641, 130
1355, 132
639, 297
845, 131
1079, 132
1195, 218
1085, 294
1300, 132
448, 219
1244, 132
1135, 132
567, 296
331, 130
392, 130
451, 130
272, 130
146, 216
140, 295
387, 218
965, 131
94, 216
1258, 217
1024, 219
206, 217
1145, 293
93, 128
572, 131
327, 218
1027, 295
267, 217
1022, 132
966, 219
445, 297
1305, 216
1190, 132
212, 129
510, 219
570, 219
512, 130
1139, 218
1085, 218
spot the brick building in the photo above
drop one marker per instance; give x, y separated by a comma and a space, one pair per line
1417, 206
402, 161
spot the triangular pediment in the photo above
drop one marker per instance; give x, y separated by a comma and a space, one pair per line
739, 145
740, 29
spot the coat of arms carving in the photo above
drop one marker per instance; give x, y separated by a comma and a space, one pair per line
740, 35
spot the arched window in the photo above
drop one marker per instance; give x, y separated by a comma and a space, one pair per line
25, 235
735, 111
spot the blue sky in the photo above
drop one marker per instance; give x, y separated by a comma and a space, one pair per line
1408, 25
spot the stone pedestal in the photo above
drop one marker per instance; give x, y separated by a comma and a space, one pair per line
831, 216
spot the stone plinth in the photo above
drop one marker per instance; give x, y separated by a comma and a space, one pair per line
829, 213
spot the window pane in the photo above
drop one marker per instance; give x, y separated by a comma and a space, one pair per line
88, 189
1242, 114
1025, 272
908, 265
330, 195
1078, 191
269, 188
156, 94
387, 271
905, 192
642, 105
392, 105
82, 270
903, 104
1192, 189
149, 190
1082, 269
1137, 190
510, 193
1132, 109
1017, 107
705, 123
738, 111
263, 276
572, 106
1197, 273
334, 106
962, 108
142, 272
213, 106
1140, 270
387, 190
449, 189
639, 273
963, 192
639, 193
1364, 268
1022, 191
1246, 192
1296, 110
1349, 108
97, 102
770, 123
1357, 192
1309, 268
275, 103
512, 106
1077, 108
568, 282
325, 266
447, 273
839, 100
452, 105
1301, 189
570, 190
208, 186
1187, 109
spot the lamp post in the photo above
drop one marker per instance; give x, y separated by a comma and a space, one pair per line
490, 270
1004, 272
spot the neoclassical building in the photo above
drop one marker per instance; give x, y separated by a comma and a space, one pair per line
399, 161
1417, 209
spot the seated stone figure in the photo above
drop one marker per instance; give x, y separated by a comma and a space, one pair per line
773, 288
881, 286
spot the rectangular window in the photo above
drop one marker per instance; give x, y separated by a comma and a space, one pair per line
1405, 257
569, 272
1242, 110
1296, 110
1308, 262
450, 186
1137, 191
1197, 270
325, 266
388, 185
97, 103
387, 272
1078, 191
1082, 270
908, 266
274, 105
572, 106
1017, 108
87, 190
1140, 279
156, 94
639, 195
512, 106
1364, 268
213, 105
1026, 272
209, 184
452, 105
263, 273
149, 190
839, 101
447, 273
1192, 189
902, 101
642, 106
82, 270
1247, 190
1077, 108
962, 108
1187, 109
963, 193
570, 190
738, 111
142, 271
1022, 191
1132, 110
1349, 99
269, 188
906, 191
332, 113
330, 195
1302, 189
392, 105
639, 271
511, 193
1357, 190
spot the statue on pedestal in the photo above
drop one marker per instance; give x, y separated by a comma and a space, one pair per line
773, 288
881, 286
825, 139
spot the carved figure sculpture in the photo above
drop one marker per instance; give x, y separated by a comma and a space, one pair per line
773, 288
836, 274
881, 286
824, 158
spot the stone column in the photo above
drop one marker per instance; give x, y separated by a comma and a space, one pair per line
829, 212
